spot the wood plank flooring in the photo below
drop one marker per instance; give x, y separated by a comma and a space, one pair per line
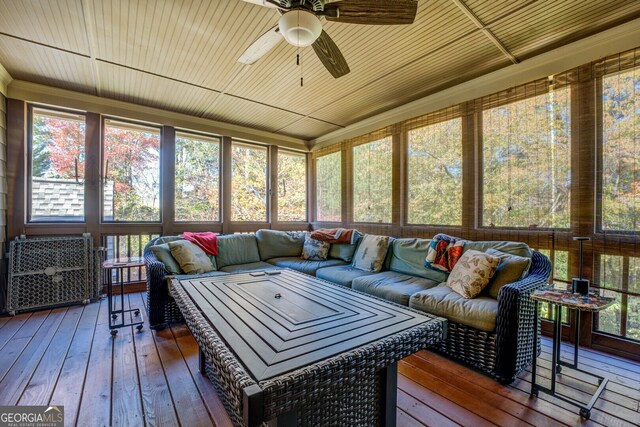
66, 356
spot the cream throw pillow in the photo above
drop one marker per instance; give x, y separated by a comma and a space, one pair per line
314, 250
472, 273
371, 253
191, 258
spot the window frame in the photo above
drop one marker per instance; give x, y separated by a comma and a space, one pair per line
599, 160
353, 180
480, 182
220, 176
406, 173
29, 165
342, 190
103, 127
305, 156
254, 144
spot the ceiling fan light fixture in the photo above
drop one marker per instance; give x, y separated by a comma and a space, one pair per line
300, 27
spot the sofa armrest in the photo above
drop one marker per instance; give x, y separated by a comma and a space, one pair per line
514, 329
156, 291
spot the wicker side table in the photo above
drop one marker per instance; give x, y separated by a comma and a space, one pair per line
558, 299
118, 265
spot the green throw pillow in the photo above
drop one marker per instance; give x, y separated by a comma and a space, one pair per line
511, 269
163, 253
371, 253
191, 258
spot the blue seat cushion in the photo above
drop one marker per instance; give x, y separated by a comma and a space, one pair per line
235, 249
392, 286
479, 312
250, 266
304, 266
275, 243
342, 274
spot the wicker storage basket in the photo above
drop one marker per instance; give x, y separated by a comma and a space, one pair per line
52, 271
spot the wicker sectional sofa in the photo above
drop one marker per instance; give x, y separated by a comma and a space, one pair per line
493, 335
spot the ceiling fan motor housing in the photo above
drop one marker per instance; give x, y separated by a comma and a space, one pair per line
300, 27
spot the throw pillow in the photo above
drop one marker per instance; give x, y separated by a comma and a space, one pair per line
314, 250
511, 269
472, 273
191, 258
163, 253
371, 253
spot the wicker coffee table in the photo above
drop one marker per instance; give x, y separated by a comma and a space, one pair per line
291, 349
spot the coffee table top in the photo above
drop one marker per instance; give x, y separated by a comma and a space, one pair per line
277, 323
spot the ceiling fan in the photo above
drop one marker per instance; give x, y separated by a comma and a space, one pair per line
300, 25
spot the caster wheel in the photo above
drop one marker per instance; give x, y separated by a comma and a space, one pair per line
139, 328
585, 413
559, 369
114, 332
136, 313
12, 313
534, 393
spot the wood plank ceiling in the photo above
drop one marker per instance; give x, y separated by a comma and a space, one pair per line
182, 55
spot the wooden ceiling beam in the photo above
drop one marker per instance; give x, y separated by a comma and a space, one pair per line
487, 32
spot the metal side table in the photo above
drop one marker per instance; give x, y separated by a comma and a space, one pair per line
117, 316
558, 299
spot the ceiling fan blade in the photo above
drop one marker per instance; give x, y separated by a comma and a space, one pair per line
330, 55
261, 46
372, 12
265, 3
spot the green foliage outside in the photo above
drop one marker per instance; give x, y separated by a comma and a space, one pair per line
248, 183
621, 151
611, 277
134, 168
197, 179
328, 187
57, 145
292, 187
560, 279
372, 163
526, 155
434, 174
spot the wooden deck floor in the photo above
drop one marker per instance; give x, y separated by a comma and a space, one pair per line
67, 357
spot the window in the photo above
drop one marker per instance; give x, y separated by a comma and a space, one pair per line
249, 183
434, 174
197, 182
620, 279
560, 280
131, 171
372, 165
526, 160
292, 186
328, 187
56, 162
621, 151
